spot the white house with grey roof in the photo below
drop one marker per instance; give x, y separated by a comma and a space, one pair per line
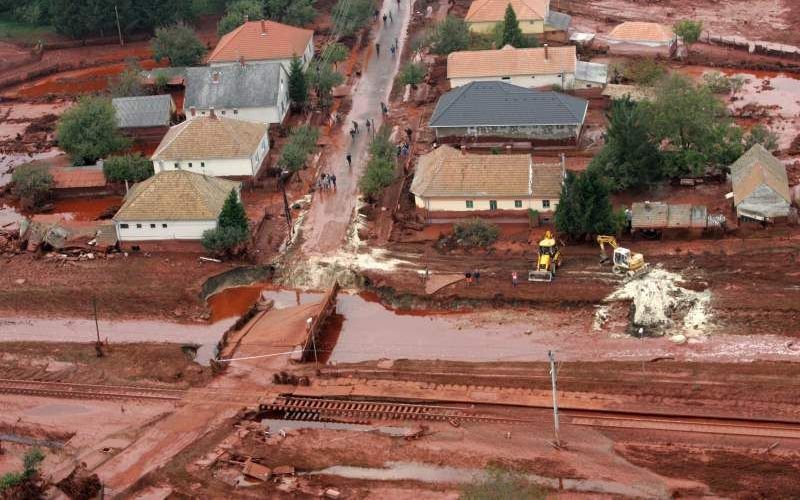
497, 111
256, 92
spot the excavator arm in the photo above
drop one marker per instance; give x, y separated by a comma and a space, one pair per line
604, 240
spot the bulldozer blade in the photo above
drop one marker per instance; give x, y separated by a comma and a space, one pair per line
642, 271
545, 276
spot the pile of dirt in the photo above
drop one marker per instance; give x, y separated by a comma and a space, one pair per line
660, 303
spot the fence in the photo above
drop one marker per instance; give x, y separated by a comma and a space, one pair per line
752, 46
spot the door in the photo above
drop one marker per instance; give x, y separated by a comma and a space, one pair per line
492, 204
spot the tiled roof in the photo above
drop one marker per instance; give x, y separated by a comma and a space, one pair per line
427, 165
476, 175
143, 111
233, 86
546, 180
77, 177
756, 167
501, 104
207, 137
494, 10
509, 61
261, 41
634, 31
176, 195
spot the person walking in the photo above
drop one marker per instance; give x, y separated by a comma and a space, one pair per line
392, 50
384, 19
375, 14
409, 133
468, 276
353, 134
333, 181
384, 109
390, 17
477, 275
367, 124
349, 158
355, 126
514, 278
378, 48
398, 5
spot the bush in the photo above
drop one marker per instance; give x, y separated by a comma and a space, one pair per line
323, 78
450, 35
302, 141
233, 213
475, 233
88, 131
761, 135
128, 83
223, 240
412, 74
644, 71
378, 175
721, 84
335, 53
235, 14
689, 31
32, 184
131, 168
160, 83
179, 44
294, 12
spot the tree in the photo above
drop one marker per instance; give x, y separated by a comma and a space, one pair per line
88, 131
24, 484
301, 142
349, 16
335, 53
510, 32
689, 31
237, 12
760, 134
131, 168
294, 12
32, 184
68, 18
298, 86
232, 227
147, 15
233, 213
378, 175
645, 72
323, 78
584, 207
499, 484
412, 74
629, 158
450, 35
179, 43
475, 233
128, 83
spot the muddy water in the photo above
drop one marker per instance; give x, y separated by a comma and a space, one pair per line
85, 209
235, 301
9, 161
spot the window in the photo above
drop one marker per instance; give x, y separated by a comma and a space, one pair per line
223, 111
545, 203
492, 204
470, 204
190, 164
164, 226
138, 226
235, 111
517, 203
505, 78
202, 164
152, 226
123, 226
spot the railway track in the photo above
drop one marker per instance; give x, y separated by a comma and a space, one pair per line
87, 391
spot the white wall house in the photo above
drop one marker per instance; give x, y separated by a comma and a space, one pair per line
172, 206
535, 67
264, 42
215, 146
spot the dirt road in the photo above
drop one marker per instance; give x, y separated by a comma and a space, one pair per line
331, 211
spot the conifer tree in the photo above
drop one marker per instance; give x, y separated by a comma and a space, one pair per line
298, 85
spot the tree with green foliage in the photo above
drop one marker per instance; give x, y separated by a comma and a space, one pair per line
721, 84
760, 134
147, 15
584, 207
500, 484
294, 12
178, 43
335, 53
629, 158
689, 31
302, 142
32, 184
128, 83
646, 72
233, 213
323, 78
24, 484
88, 131
475, 233
509, 30
237, 12
232, 228
349, 16
412, 74
131, 168
79, 19
298, 85
380, 170
450, 35
160, 83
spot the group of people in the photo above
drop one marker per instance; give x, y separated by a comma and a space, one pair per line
326, 181
475, 277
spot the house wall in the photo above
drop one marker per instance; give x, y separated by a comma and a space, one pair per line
174, 230
641, 48
585, 84
306, 57
527, 27
227, 167
764, 202
567, 81
539, 132
482, 204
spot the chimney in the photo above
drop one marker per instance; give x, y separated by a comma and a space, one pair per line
563, 165
263, 28
246, 18
211, 112
546, 53
241, 61
192, 111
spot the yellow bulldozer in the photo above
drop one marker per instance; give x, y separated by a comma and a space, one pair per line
625, 262
548, 259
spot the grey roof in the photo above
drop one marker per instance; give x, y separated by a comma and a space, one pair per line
558, 20
501, 104
591, 72
143, 111
233, 86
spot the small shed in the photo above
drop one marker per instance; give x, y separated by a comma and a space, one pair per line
79, 181
642, 38
659, 216
146, 117
760, 186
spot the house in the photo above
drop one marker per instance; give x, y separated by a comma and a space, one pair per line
640, 38
657, 217
171, 207
487, 110
252, 92
447, 181
536, 67
214, 146
534, 16
145, 117
264, 41
760, 186
71, 182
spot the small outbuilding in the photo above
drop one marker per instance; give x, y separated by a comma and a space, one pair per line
70, 182
760, 186
170, 207
642, 38
145, 117
534, 67
534, 16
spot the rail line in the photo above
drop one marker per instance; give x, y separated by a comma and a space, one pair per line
87, 391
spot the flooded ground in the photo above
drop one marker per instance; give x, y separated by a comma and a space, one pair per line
85, 209
9, 161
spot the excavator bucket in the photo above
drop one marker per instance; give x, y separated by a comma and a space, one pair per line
545, 276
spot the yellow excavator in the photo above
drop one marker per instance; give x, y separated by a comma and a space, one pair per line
548, 260
625, 262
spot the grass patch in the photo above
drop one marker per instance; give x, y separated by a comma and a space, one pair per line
26, 33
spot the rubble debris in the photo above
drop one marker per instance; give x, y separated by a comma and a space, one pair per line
283, 470
256, 471
332, 493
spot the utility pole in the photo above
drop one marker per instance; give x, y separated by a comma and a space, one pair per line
286, 210
552, 358
98, 345
119, 29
